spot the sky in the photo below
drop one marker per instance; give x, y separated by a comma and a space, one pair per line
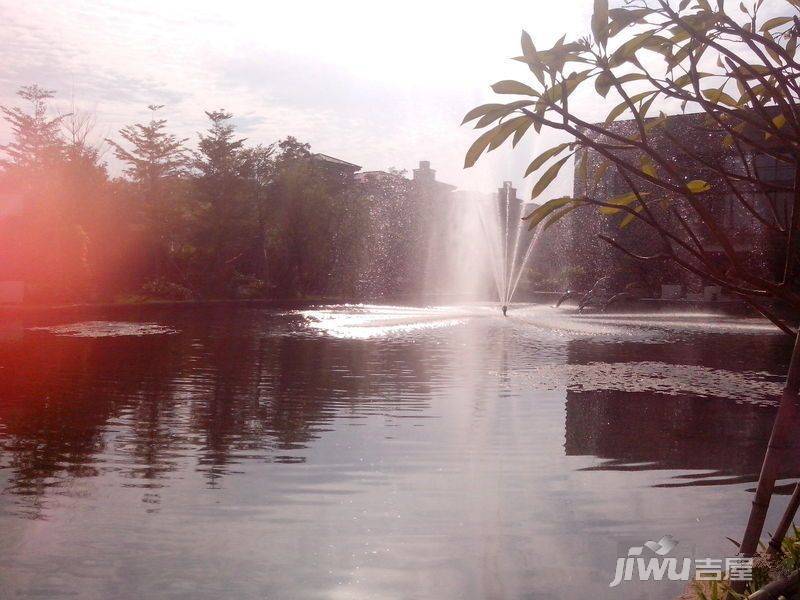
375, 83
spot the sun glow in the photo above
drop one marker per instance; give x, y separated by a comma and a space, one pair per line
378, 84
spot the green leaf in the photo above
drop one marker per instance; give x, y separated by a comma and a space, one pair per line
532, 57
627, 51
509, 86
697, 186
791, 45
619, 201
600, 22
606, 79
680, 35
623, 17
480, 111
775, 22
541, 212
548, 177
687, 78
545, 156
720, 97
562, 89
645, 107
501, 111
603, 83
674, 59
648, 168
616, 111
622, 106
747, 72
491, 117
520, 132
727, 142
778, 121
630, 217
478, 146
506, 129
559, 214
659, 44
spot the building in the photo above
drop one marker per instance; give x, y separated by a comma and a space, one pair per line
582, 258
335, 165
425, 178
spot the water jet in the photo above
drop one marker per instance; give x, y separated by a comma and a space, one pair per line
510, 242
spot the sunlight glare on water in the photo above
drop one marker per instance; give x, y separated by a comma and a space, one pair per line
363, 321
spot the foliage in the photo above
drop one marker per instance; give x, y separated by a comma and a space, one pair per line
735, 68
154, 154
790, 551
225, 220
161, 289
36, 139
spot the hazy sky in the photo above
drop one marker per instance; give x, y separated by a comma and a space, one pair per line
376, 83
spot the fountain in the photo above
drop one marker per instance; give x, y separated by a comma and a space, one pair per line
424, 237
510, 243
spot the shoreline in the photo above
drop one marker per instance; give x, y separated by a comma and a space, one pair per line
644, 305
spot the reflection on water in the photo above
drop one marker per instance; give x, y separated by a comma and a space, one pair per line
372, 452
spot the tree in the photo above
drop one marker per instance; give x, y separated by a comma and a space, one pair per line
738, 69
155, 154
36, 137
391, 251
221, 164
85, 195
62, 181
155, 163
259, 168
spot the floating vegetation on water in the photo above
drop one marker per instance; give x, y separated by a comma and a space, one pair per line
657, 377
97, 329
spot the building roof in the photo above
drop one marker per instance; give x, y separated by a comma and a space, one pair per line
337, 162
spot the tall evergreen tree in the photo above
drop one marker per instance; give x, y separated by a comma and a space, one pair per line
36, 136
155, 154
155, 161
221, 161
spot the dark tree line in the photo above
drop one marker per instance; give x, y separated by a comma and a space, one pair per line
223, 220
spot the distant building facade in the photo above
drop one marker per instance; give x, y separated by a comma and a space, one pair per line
579, 258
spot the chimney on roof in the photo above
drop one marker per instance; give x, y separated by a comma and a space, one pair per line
424, 174
508, 192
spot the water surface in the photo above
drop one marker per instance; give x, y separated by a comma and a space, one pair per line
372, 451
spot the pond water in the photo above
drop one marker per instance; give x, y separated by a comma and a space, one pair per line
373, 451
